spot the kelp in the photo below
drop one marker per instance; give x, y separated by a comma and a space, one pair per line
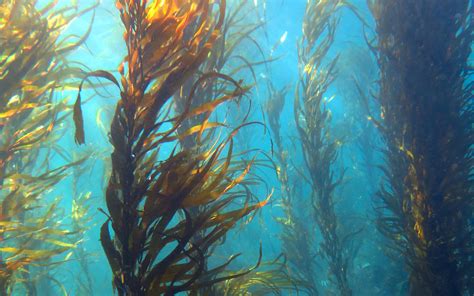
81, 223
273, 108
313, 125
271, 278
423, 49
295, 234
357, 75
228, 57
32, 67
150, 236
30, 238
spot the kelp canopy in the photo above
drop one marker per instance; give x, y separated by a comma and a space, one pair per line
154, 249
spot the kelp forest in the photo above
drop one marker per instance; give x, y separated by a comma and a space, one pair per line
236, 147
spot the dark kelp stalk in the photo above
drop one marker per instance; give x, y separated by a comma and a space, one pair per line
313, 125
153, 248
426, 100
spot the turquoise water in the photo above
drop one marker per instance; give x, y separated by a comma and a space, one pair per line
372, 268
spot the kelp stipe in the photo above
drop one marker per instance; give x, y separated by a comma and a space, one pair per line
426, 89
312, 121
153, 248
32, 67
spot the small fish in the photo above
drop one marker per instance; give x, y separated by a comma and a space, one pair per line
279, 42
328, 100
15, 100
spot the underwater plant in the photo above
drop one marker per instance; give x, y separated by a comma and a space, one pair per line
81, 223
33, 67
357, 73
295, 235
230, 55
319, 148
153, 248
81, 220
271, 278
424, 49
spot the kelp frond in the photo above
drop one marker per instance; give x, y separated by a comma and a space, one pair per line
271, 278
226, 56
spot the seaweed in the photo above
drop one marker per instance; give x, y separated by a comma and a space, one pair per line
357, 73
226, 56
33, 67
231, 54
80, 214
425, 97
295, 234
271, 278
81, 223
313, 125
155, 180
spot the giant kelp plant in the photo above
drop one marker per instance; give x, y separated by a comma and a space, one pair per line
426, 89
32, 68
296, 234
319, 148
155, 181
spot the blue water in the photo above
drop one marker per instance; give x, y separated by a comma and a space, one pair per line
370, 272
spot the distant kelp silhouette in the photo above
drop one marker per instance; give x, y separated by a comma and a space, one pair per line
32, 68
426, 90
319, 148
154, 248
301, 265
81, 222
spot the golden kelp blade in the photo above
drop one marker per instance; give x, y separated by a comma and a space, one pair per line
32, 67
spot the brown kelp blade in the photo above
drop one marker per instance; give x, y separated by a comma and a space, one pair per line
78, 117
